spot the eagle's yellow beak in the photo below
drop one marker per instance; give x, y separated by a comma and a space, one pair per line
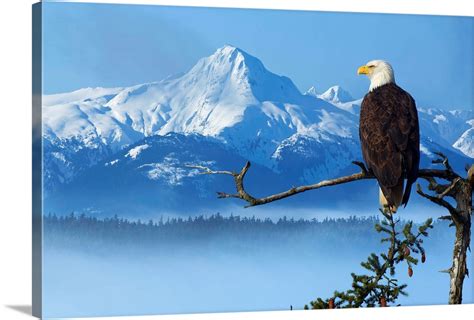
363, 70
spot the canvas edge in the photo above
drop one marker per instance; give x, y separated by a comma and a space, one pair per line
37, 172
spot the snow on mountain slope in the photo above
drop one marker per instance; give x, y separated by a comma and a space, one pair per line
312, 158
80, 95
88, 122
447, 126
465, 143
312, 92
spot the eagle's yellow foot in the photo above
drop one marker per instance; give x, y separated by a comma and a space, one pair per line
389, 209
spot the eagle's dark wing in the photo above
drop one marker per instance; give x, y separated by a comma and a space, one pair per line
390, 139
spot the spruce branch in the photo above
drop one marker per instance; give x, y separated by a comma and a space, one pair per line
379, 287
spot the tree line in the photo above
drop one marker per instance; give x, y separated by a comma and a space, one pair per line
216, 230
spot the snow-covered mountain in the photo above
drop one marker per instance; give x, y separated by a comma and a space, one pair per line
229, 95
465, 143
232, 99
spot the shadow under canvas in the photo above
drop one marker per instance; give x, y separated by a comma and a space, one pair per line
22, 308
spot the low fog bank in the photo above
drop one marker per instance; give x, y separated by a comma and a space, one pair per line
217, 264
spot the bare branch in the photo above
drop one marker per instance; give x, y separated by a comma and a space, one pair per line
252, 201
361, 165
449, 188
223, 195
319, 185
449, 218
364, 174
437, 173
437, 200
443, 160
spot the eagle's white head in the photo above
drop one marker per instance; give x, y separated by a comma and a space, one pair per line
379, 73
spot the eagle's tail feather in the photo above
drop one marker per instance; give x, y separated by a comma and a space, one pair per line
406, 195
394, 199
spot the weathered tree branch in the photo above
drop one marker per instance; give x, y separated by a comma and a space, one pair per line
253, 201
461, 191
364, 174
238, 179
436, 199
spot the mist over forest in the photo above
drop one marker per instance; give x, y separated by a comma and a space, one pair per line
219, 263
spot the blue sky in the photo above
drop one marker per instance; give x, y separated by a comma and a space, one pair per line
89, 45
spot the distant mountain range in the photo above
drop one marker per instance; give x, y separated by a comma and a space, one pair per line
128, 148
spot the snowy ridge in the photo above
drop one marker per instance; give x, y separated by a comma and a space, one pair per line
337, 95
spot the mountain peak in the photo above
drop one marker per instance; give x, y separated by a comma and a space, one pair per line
311, 92
336, 94
242, 74
228, 49
229, 54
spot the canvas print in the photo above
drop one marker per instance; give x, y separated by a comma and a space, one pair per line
191, 160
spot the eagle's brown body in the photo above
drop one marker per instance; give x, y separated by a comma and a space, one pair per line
390, 141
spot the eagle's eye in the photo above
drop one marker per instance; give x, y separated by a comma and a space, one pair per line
371, 66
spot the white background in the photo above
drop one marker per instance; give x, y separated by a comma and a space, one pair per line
15, 155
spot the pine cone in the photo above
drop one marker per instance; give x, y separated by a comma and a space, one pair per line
406, 251
331, 304
410, 271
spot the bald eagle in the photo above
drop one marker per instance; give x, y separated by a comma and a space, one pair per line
389, 135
